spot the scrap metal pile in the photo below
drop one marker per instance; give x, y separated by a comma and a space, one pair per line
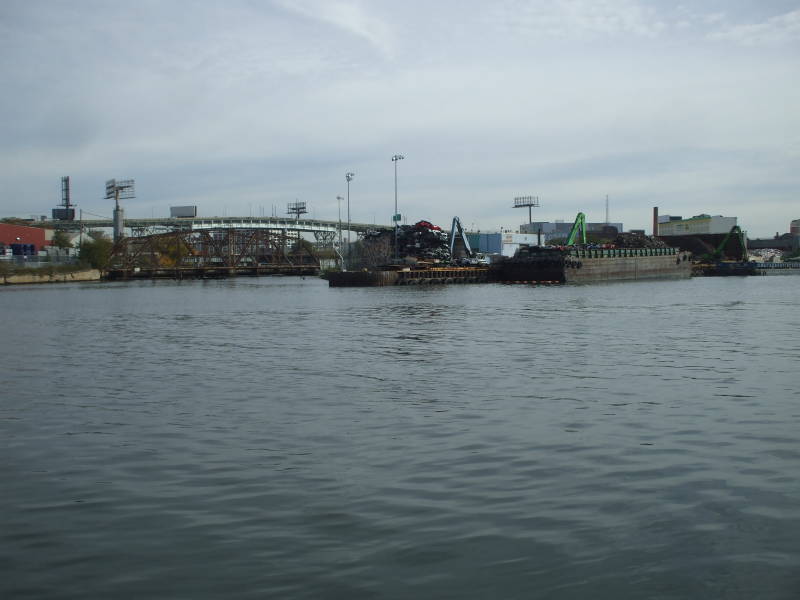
422, 241
637, 240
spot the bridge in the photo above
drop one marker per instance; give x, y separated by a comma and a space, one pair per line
212, 252
161, 225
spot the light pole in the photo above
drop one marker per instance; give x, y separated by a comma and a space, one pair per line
349, 177
395, 217
339, 203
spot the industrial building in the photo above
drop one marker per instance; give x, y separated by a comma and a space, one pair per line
505, 243
787, 242
697, 225
561, 229
21, 240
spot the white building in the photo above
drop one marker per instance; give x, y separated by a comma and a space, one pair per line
697, 225
505, 243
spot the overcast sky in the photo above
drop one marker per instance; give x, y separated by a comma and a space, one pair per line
242, 106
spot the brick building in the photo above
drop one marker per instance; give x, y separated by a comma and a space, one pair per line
20, 239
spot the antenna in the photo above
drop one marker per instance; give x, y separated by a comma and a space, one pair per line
65, 192
607, 222
67, 210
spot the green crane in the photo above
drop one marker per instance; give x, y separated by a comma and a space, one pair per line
718, 253
579, 225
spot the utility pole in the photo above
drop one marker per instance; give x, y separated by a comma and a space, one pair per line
396, 218
349, 177
339, 203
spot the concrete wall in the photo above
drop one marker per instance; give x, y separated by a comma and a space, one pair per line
87, 275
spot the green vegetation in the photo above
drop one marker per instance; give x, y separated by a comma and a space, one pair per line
61, 240
96, 251
303, 247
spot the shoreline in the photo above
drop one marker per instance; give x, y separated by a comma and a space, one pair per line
25, 278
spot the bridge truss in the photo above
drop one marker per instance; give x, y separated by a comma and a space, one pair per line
212, 253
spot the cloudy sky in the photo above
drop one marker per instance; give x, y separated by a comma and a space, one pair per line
242, 106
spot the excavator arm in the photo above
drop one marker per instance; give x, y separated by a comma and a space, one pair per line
458, 229
735, 230
579, 225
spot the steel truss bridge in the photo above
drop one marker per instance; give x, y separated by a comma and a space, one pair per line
212, 252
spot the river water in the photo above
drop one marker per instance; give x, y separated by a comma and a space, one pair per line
275, 438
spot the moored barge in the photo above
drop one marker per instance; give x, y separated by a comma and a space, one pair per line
409, 276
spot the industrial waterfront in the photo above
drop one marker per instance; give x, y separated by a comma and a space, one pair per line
274, 437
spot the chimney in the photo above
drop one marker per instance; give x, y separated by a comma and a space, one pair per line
655, 220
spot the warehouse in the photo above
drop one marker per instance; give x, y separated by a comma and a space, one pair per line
22, 240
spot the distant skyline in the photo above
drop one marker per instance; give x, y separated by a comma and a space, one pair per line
242, 106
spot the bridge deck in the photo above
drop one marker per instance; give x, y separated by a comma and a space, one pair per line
309, 225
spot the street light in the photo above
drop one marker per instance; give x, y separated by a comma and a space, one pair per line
349, 177
396, 217
339, 203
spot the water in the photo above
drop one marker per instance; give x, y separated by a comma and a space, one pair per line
274, 438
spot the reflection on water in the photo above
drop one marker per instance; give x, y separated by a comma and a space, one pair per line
273, 437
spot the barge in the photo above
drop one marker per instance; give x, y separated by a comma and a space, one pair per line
536, 265
590, 265
409, 276
632, 257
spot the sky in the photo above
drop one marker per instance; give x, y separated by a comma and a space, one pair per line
243, 106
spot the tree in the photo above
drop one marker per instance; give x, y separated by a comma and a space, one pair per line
96, 251
302, 246
61, 240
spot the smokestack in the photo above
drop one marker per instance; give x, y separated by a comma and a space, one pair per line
655, 220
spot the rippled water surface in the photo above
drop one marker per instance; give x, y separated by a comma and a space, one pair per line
272, 437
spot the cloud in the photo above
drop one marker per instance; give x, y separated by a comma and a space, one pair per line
778, 30
243, 103
581, 19
349, 17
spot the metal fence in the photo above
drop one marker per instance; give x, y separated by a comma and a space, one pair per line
39, 261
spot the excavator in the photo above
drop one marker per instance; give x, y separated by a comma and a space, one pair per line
457, 233
719, 252
714, 263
